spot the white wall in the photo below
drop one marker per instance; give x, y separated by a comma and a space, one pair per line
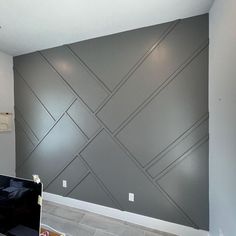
7, 140
222, 106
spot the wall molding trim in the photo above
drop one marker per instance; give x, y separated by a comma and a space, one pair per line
119, 114
141, 220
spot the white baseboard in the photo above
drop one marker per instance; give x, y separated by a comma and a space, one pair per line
145, 221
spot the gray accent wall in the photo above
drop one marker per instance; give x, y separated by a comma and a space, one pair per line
124, 113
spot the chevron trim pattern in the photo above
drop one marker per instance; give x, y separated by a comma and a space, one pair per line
119, 114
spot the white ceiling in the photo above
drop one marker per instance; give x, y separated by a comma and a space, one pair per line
30, 25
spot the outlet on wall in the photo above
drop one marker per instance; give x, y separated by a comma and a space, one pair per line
131, 197
64, 183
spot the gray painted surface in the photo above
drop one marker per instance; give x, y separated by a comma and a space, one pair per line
73, 174
222, 87
23, 144
38, 119
165, 59
128, 113
175, 108
184, 183
112, 57
82, 82
45, 82
86, 189
27, 129
54, 152
164, 161
84, 119
126, 177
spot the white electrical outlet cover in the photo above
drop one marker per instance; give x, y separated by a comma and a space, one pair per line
131, 197
64, 183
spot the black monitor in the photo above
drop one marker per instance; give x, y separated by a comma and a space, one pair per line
20, 206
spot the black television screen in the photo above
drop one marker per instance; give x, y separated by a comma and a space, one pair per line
20, 207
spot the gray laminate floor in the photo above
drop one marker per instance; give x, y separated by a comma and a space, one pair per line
74, 222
